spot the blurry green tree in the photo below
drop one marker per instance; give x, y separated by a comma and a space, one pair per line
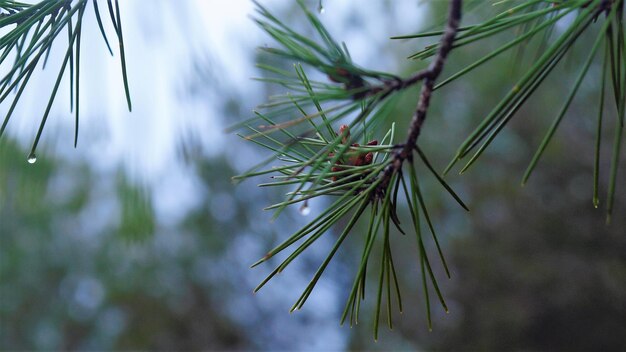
86, 264
78, 272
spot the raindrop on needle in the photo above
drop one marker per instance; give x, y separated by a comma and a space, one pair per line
304, 209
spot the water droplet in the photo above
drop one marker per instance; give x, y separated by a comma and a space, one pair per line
304, 209
32, 158
321, 9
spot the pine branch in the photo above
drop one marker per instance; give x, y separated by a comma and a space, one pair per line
30, 32
429, 76
318, 159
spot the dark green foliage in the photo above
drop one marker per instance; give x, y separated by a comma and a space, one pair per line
84, 265
540, 17
137, 222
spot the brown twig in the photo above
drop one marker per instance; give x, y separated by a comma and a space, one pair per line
429, 76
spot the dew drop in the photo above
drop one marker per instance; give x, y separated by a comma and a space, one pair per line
32, 158
320, 8
304, 209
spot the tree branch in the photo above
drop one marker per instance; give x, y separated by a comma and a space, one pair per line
429, 76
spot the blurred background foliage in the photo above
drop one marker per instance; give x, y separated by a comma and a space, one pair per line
87, 263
